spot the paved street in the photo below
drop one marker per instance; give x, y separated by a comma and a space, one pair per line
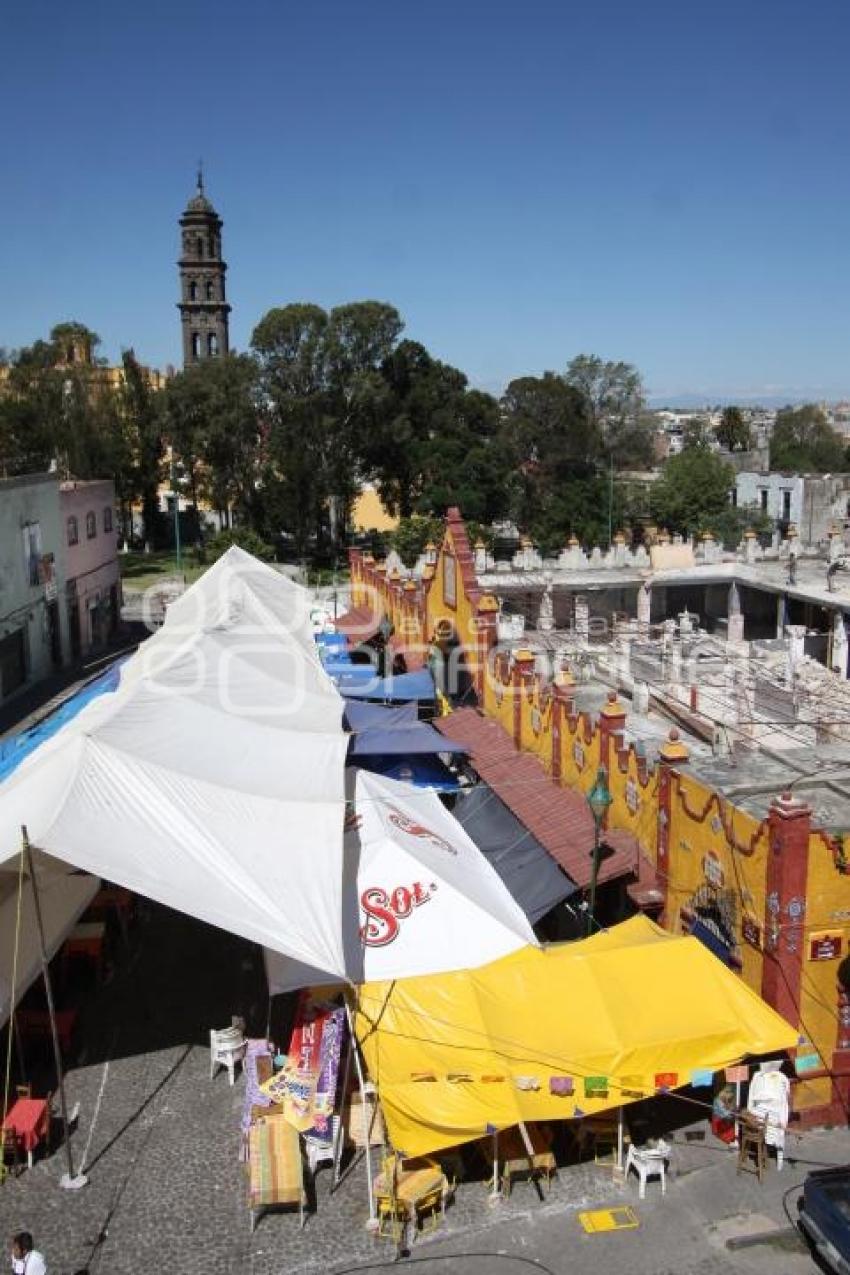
160, 1143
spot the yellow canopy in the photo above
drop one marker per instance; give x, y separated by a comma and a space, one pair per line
455, 1056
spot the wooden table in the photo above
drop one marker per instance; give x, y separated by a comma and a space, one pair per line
86, 939
413, 1184
29, 1121
517, 1160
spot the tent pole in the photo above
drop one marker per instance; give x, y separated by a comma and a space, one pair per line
373, 1221
495, 1194
69, 1180
619, 1137
529, 1146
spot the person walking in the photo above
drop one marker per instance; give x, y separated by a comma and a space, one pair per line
26, 1260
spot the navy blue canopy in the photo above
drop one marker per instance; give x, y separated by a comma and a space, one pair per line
529, 872
416, 739
364, 716
422, 772
404, 686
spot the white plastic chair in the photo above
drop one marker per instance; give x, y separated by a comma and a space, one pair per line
648, 1162
227, 1047
320, 1152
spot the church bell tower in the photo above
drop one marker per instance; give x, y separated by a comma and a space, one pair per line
203, 306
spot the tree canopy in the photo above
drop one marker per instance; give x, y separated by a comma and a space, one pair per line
733, 432
693, 491
803, 441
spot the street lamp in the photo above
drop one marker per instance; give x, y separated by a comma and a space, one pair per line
385, 629
599, 799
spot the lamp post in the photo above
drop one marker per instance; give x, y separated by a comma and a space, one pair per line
385, 629
599, 799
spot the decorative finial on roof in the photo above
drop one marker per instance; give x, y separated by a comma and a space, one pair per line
200, 177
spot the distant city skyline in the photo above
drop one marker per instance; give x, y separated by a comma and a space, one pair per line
523, 184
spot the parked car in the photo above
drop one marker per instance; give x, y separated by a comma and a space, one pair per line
825, 1216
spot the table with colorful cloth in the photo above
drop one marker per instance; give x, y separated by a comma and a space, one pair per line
275, 1167
28, 1119
257, 1066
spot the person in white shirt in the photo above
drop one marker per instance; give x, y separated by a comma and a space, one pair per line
26, 1260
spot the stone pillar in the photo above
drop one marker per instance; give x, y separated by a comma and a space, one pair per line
582, 618
838, 658
789, 824
522, 673
612, 723
751, 545
644, 608
835, 547
780, 615
480, 557
735, 619
672, 755
640, 697
796, 647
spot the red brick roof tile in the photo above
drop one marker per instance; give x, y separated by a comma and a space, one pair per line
559, 818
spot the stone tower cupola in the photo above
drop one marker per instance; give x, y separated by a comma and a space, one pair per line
203, 304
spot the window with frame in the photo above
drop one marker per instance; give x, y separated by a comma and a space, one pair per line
91, 525
107, 518
73, 531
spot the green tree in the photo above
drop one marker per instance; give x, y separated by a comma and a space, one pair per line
243, 537
212, 421
319, 378
733, 432
428, 441
412, 534
614, 393
805, 442
141, 411
692, 491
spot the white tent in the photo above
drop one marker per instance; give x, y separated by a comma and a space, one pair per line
63, 894
420, 898
212, 780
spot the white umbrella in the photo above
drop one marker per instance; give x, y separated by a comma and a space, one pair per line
418, 896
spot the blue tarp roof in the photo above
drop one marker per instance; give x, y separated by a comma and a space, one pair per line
332, 641
364, 716
346, 673
413, 739
422, 772
404, 686
15, 748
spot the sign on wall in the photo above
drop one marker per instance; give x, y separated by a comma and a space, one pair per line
751, 932
824, 946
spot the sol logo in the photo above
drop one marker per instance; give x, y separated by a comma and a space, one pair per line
384, 911
417, 830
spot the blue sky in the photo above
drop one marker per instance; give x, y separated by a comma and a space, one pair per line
666, 183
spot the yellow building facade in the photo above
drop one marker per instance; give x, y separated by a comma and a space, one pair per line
780, 885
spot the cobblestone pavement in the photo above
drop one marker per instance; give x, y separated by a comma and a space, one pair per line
160, 1143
